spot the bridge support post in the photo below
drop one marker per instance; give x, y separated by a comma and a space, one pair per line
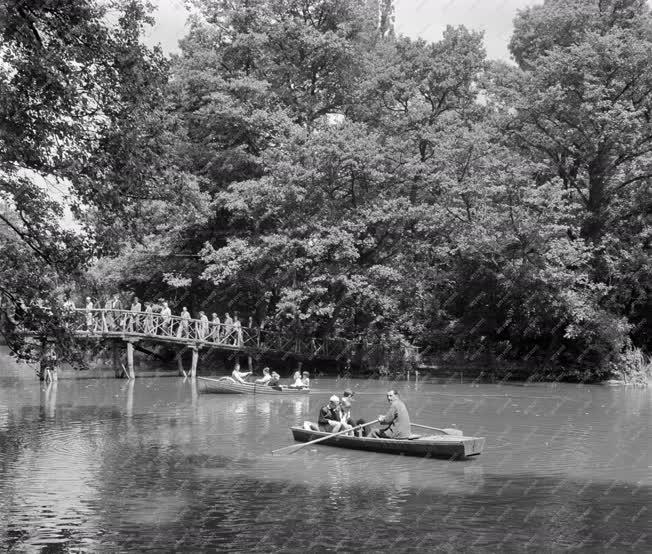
130, 360
195, 359
180, 364
115, 354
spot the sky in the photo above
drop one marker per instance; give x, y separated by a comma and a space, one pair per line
415, 18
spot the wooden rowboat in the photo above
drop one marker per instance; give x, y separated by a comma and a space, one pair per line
431, 446
226, 385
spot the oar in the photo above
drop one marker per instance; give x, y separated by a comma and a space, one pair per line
445, 431
329, 436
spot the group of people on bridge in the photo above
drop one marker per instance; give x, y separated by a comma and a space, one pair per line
156, 319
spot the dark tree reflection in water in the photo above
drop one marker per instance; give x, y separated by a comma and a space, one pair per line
100, 464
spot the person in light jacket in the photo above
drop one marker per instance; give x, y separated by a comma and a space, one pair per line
396, 421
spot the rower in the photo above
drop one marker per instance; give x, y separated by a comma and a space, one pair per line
396, 420
239, 376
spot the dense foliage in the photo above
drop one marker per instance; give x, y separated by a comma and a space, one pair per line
331, 178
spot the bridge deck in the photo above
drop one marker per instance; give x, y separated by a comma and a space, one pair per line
136, 326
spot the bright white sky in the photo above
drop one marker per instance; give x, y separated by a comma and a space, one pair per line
414, 18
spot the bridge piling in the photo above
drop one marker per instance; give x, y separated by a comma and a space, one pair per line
130, 359
195, 359
115, 354
182, 371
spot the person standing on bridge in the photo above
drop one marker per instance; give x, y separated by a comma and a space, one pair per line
90, 321
68, 305
134, 319
237, 331
228, 328
184, 324
202, 326
148, 322
215, 328
166, 316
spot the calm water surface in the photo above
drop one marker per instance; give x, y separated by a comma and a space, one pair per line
104, 465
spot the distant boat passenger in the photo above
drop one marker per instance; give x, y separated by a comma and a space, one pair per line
274, 381
239, 376
297, 382
306, 379
266, 378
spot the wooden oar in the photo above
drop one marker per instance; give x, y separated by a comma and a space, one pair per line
331, 435
457, 432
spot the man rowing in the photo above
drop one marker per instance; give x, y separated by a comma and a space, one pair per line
396, 420
240, 376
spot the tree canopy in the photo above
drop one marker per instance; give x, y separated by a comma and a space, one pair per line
300, 163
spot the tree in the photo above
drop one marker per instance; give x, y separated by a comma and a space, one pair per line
77, 85
580, 106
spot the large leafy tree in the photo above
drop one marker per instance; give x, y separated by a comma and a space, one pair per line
579, 105
78, 92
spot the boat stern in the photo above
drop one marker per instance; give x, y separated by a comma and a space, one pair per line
473, 446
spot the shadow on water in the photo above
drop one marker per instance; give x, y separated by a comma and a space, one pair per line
152, 466
168, 500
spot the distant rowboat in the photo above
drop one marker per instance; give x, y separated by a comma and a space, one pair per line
226, 385
434, 446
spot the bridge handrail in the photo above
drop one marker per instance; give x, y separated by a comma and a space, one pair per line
155, 324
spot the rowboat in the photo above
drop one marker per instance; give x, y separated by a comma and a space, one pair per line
431, 446
226, 385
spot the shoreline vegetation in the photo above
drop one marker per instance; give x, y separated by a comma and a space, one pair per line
301, 163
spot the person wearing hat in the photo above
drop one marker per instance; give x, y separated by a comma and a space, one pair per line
396, 421
330, 416
348, 393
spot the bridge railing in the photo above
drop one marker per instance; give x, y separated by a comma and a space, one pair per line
147, 324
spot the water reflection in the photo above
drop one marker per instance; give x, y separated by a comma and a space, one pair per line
139, 465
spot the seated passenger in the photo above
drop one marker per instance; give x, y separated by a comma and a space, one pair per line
274, 381
345, 415
306, 379
239, 376
266, 378
297, 383
329, 416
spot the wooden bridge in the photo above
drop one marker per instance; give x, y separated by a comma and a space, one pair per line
194, 335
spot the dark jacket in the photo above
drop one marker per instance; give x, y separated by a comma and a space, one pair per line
397, 421
327, 413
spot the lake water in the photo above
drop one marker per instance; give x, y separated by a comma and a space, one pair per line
99, 464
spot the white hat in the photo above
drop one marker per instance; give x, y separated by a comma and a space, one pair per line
334, 399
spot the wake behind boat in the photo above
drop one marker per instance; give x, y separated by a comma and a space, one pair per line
226, 385
432, 446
